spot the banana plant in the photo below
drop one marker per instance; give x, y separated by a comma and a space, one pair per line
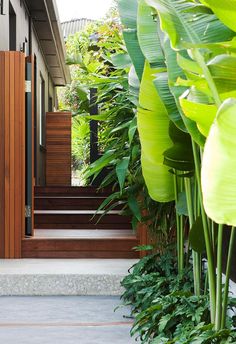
185, 33
187, 80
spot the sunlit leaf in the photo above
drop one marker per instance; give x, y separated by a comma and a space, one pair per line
153, 126
225, 11
188, 22
148, 37
202, 114
219, 166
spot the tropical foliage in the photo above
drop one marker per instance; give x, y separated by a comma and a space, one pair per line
99, 59
183, 53
167, 99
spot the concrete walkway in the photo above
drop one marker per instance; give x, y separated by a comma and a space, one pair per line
63, 320
53, 277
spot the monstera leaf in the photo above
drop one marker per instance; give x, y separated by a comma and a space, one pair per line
219, 166
153, 126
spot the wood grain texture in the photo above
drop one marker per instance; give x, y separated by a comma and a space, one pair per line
78, 191
12, 153
58, 148
31, 60
80, 248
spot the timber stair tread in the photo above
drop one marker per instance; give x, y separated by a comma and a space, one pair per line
68, 225
62, 233
70, 203
80, 247
72, 190
78, 212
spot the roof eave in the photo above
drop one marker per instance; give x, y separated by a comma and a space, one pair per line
59, 39
48, 30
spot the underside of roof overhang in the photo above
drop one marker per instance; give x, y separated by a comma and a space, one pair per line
48, 30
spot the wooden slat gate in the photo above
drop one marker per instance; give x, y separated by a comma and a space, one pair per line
12, 153
58, 148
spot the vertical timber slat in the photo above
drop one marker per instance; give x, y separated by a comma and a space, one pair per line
12, 116
2, 157
58, 148
12, 89
7, 157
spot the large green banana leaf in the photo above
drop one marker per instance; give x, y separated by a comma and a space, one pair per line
174, 72
225, 10
148, 37
219, 166
134, 83
135, 53
128, 13
202, 114
202, 111
151, 42
223, 67
188, 22
180, 155
162, 85
153, 126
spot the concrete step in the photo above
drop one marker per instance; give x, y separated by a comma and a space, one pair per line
64, 320
54, 277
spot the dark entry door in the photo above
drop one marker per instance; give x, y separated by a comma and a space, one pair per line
29, 88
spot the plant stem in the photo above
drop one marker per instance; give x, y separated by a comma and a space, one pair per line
177, 221
228, 269
208, 239
219, 279
181, 239
213, 236
196, 256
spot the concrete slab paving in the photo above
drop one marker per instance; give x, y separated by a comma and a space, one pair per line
66, 266
64, 320
53, 277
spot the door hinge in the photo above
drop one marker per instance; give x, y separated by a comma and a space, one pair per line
27, 86
28, 211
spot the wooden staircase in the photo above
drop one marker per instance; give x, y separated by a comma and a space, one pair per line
66, 226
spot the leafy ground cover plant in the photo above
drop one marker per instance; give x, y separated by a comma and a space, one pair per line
164, 306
